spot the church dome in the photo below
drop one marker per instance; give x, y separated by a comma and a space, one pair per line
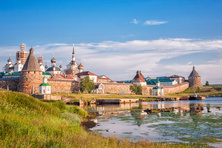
81, 66
53, 69
9, 60
53, 60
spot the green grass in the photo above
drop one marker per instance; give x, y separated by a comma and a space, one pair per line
28, 122
90, 97
208, 91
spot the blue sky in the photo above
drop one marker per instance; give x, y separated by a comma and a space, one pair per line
168, 36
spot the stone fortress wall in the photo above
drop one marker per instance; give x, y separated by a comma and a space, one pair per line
9, 84
117, 88
147, 90
70, 86
175, 88
63, 86
60, 86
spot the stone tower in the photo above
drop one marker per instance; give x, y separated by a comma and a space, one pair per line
22, 54
31, 75
194, 79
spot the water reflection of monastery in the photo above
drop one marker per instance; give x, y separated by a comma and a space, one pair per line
136, 110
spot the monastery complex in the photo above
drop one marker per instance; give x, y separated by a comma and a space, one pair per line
30, 75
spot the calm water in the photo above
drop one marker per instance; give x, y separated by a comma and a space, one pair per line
188, 122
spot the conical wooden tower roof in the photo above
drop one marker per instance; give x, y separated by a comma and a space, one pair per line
31, 63
194, 73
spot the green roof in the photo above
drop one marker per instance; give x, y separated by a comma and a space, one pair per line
128, 81
11, 74
1, 74
154, 81
45, 84
166, 80
46, 73
157, 87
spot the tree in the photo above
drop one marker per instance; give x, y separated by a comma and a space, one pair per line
86, 84
198, 89
137, 89
207, 83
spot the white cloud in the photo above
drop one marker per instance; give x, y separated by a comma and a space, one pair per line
208, 72
154, 22
134, 21
120, 60
189, 63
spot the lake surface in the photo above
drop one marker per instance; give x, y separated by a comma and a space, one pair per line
192, 122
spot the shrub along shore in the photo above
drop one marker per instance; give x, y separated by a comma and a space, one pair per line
28, 122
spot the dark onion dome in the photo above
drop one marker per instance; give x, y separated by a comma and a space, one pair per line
53, 60
72, 63
81, 66
60, 66
51, 69
9, 60
194, 73
31, 63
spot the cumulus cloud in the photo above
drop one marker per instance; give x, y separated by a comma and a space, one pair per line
154, 22
134, 21
121, 60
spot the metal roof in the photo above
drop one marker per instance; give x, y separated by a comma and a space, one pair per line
154, 81
46, 73
45, 84
12, 78
11, 74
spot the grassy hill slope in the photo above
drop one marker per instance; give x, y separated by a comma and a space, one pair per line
28, 122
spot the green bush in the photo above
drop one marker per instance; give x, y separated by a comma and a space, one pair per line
137, 89
86, 84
